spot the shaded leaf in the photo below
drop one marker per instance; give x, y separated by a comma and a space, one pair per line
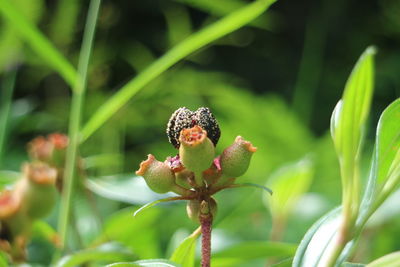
288, 184
245, 251
104, 253
39, 43
125, 188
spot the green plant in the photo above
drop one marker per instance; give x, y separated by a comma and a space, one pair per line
332, 239
195, 173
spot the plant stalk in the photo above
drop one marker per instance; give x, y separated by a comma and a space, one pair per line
206, 226
75, 121
5, 107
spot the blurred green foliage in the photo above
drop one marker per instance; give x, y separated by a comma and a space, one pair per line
274, 82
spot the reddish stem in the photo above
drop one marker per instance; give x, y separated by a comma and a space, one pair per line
206, 223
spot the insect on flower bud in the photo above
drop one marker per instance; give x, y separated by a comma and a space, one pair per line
184, 118
158, 176
235, 159
196, 151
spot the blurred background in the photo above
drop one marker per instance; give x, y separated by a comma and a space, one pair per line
275, 82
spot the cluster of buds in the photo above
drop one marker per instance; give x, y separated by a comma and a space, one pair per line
33, 196
196, 173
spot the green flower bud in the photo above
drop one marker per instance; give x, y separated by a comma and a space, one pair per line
235, 159
158, 176
193, 208
38, 190
196, 150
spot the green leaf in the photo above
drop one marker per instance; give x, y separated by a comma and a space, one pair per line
350, 264
39, 43
151, 204
223, 7
289, 183
268, 190
251, 250
316, 243
104, 253
125, 188
8, 178
388, 141
194, 42
147, 263
184, 254
350, 116
128, 230
390, 260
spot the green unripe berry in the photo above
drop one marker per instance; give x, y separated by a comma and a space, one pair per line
158, 176
196, 150
235, 159
39, 189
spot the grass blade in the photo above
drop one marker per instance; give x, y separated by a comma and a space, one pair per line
6, 96
75, 120
39, 43
194, 42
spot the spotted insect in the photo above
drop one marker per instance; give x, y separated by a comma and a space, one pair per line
184, 118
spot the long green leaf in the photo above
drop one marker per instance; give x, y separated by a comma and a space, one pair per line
105, 253
39, 43
390, 260
147, 263
352, 115
194, 42
315, 246
184, 254
387, 140
151, 204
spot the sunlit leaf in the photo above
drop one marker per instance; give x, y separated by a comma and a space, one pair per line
350, 116
105, 253
350, 264
319, 239
147, 263
288, 184
125, 188
184, 254
390, 260
226, 25
387, 140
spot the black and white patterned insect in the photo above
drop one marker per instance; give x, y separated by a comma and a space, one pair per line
184, 118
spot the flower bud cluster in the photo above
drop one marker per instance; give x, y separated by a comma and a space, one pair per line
196, 172
33, 196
